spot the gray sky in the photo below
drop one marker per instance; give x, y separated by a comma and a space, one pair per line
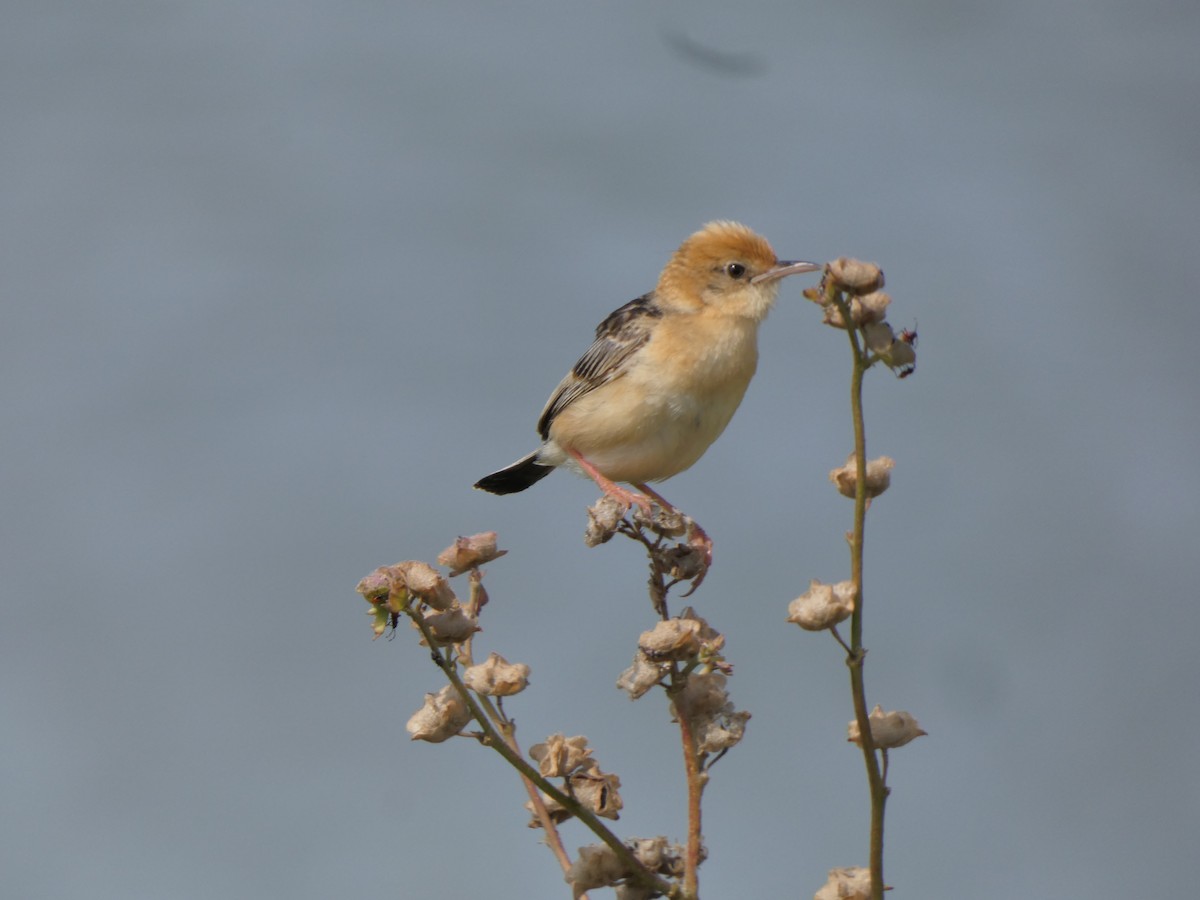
281, 281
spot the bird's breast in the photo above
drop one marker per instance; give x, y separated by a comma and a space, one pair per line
671, 402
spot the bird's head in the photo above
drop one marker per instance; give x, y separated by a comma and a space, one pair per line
727, 269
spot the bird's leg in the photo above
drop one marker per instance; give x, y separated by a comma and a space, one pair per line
697, 537
614, 490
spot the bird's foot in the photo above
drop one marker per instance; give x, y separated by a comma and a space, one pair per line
627, 498
699, 540
700, 544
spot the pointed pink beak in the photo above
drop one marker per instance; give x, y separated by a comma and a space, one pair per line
783, 268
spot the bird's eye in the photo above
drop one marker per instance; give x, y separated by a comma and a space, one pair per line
735, 270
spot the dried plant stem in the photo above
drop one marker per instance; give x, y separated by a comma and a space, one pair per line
505, 726
854, 660
494, 739
695, 786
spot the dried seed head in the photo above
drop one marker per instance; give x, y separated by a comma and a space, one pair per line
640, 676
470, 552
674, 639
597, 865
879, 476
853, 883
855, 276
879, 337
865, 310
387, 587
497, 677
704, 695
452, 626
427, 584
891, 729
376, 587
443, 716
715, 723
598, 792
822, 605
559, 756
603, 518
721, 731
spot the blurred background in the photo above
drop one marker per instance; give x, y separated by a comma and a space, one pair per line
281, 281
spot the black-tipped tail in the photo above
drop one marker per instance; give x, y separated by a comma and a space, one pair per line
516, 477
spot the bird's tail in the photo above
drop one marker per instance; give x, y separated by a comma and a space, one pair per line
520, 475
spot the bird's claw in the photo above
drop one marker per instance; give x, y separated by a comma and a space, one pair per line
698, 539
629, 499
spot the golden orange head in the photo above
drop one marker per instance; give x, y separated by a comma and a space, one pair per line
727, 269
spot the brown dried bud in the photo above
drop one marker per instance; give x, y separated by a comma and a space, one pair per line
879, 337
375, 587
865, 310
715, 723
559, 756
597, 865
822, 605
603, 518
653, 853
470, 552
721, 731
855, 276
497, 677
853, 883
427, 584
898, 352
642, 675
443, 716
879, 476
872, 307
452, 626
387, 587
704, 694
674, 639
892, 729
597, 791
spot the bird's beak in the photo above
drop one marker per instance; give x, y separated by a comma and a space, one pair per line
784, 268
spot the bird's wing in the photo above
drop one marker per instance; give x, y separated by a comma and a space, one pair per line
618, 337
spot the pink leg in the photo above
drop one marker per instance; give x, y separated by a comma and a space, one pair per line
618, 493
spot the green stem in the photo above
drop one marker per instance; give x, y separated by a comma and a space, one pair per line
855, 660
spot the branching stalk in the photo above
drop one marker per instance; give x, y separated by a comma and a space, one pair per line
494, 739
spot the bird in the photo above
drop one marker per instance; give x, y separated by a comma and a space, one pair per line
665, 373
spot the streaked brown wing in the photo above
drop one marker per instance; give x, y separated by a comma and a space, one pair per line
617, 338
